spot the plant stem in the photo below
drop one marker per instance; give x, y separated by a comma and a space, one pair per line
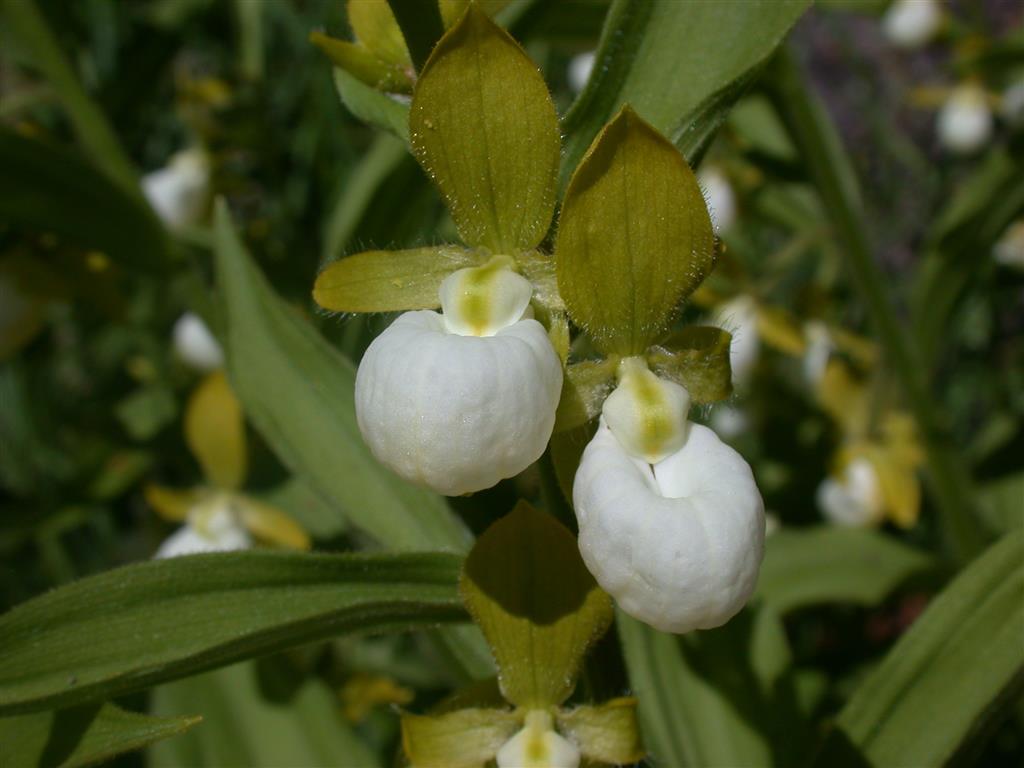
831, 172
29, 26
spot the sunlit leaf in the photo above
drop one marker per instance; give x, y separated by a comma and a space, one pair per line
385, 281
484, 128
465, 738
816, 566
215, 432
697, 357
944, 679
303, 729
634, 237
606, 733
132, 627
80, 736
539, 608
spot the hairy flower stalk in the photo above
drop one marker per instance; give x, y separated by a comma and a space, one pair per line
671, 521
458, 400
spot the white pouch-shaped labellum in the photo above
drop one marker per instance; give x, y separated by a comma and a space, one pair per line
647, 414
196, 345
212, 526
457, 413
679, 544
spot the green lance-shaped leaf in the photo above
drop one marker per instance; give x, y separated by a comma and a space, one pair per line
387, 281
697, 357
816, 566
53, 190
634, 238
85, 735
539, 608
942, 681
136, 626
484, 128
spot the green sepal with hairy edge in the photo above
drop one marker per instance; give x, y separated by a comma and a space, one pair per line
484, 128
584, 389
697, 357
389, 281
540, 610
634, 238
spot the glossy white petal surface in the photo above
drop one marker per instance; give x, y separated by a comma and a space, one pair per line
196, 345
457, 413
678, 545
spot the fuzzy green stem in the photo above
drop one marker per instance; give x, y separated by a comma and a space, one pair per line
831, 172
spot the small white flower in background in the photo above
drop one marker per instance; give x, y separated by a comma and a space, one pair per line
912, 23
580, 68
820, 347
1009, 249
678, 543
538, 745
179, 192
212, 525
965, 120
728, 421
854, 498
458, 400
196, 345
1011, 104
738, 316
719, 196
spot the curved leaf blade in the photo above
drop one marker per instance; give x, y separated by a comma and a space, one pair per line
136, 626
85, 735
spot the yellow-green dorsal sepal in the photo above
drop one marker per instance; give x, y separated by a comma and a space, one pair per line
634, 236
480, 301
697, 357
646, 413
540, 610
389, 281
483, 126
215, 432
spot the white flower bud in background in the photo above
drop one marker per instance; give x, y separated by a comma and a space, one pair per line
196, 345
719, 196
1009, 248
1011, 104
965, 120
820, 347
179, 192
854, 498
580, 68
912, 23
211, 526
538, 745
738, 316
647, 414
728, 421
458, 400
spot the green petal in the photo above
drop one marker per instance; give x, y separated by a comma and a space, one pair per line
386, 281
362, 64
584, 389
215, 432
634, 237
698, 358
607, 733
465, 738
538, 606
375, 26
484, 128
